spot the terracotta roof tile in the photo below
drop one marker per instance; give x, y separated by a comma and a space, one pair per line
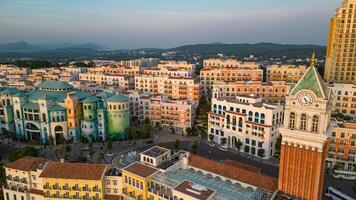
82, 171
237, 173
26, 163
141, 170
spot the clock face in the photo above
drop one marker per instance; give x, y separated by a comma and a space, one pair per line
305, 99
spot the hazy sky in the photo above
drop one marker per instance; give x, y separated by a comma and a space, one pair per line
165, 23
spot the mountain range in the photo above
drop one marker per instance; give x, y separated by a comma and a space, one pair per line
17, 47
69, 51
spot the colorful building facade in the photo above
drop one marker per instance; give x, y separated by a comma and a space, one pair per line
55, 112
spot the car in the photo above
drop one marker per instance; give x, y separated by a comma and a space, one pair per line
211, 144
223, 148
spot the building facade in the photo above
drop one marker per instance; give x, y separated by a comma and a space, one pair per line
344, 100
246, 124
55, 112
271, 92
340, 65
342, 145
288, 73
221, 70
183, 88
32, 178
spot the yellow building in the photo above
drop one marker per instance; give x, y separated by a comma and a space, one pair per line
288, 73
341, 52
184, 88
135, 181
73, 180
22, 179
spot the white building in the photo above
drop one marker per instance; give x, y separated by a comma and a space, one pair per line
245, 123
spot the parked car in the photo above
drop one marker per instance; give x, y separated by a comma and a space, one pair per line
211, 144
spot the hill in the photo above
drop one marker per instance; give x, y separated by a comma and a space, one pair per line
258, 49
19, 47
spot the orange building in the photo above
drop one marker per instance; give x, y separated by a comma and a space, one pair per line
342, 145
271, 92
288, 73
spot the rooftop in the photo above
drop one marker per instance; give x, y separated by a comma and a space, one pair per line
194, 190
155, 151
223, 190
236, 173
26, 163
140, 170
81, 171
117, 98
54, 85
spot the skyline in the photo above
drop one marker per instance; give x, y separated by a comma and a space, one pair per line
161, 24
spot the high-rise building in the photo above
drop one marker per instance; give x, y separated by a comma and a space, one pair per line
304, 137
340, 66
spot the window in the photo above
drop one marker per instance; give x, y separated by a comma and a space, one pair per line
303, 122
315, 124
250, 116
292, 121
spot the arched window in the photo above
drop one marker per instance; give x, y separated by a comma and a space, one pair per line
315, 124
292, 121
234, 120
228, 119
262, 120
303, 122
257, 117
250, 115
240, 122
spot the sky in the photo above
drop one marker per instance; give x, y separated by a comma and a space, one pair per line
128, 24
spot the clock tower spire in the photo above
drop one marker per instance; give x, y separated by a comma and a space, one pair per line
304, 137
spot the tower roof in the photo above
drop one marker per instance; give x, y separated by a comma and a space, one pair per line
118, 98
311, 80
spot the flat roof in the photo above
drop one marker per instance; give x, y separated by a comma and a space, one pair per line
155, 151
194, 190
140, 170
223, 190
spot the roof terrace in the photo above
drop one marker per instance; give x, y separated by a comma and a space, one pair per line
155, 151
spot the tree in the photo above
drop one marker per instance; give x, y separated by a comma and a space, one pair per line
173, 130
338, 166
146, 130
68, 148
189, 131
278, 143
247, 149
128, 132
238, 144
223, 141
261, 153
195, 148
109, 145
176, 144
133, 132
211, 137
22, 152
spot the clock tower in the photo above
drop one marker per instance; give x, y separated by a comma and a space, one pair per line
304, 137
